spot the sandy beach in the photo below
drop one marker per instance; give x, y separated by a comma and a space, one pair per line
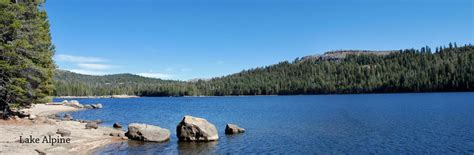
105, 96
81, 140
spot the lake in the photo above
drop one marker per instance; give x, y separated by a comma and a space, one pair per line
418, 123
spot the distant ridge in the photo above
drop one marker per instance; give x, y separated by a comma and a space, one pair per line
341, 54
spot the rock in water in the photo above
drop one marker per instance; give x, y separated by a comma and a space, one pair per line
117, 126
74, 103
196, 129
63, 132
233, 129
147, 133
96, 106
67, 117
92, 125
88, 106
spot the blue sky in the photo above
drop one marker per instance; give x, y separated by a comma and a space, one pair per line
187, 39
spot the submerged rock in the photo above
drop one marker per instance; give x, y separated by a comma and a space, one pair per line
63, 132
147, 133
233, 129
92, 125
196, 129
117, 126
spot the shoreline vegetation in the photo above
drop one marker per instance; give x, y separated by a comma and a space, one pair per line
134, 96
43, 124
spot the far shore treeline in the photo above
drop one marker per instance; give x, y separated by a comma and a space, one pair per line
443, 69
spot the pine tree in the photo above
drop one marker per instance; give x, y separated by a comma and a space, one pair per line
26, 61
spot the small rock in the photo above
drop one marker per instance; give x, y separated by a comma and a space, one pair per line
32, 117
233, 129
96, 106
16, 118
67, 117
147, 133
63, 132
116, 134
88, 107
92, 125
196, 129
117, 126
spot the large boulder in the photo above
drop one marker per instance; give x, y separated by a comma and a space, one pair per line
233, 129
147, 133
196, 129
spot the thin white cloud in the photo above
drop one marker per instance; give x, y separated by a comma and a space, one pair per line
156, 75
87, 72
94, 66
77, 59
220, 62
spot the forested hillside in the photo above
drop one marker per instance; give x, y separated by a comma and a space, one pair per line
26, 65
443, 69
73, 84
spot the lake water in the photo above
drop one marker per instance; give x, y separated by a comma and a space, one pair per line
422, 123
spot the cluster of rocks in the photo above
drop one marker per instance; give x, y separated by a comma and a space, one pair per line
190, 129
76, 104
93, 106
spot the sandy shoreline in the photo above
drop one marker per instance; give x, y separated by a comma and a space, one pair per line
82, 140
106, 96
